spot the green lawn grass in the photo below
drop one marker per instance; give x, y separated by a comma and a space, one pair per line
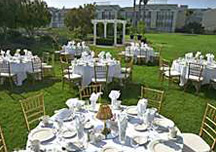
185, 109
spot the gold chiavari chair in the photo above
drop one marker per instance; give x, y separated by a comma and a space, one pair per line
48, 64
5, 73
154, 97
66, 58
164, 66
128, 67
68, 76
37, 71
33, 109
142, 56
194, 76
3, 147
87, 91
100, 74
193, 142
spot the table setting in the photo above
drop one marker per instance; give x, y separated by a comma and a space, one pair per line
20, 63
106, 129
85, 66
74, 49
136, 49
181, 65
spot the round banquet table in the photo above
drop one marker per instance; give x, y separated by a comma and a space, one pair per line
209, 71
57, 143
148, 51
86, 70
20, 69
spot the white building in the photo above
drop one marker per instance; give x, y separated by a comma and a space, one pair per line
209, 20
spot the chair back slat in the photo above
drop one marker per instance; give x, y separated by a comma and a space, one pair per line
46, 57
101, 72
5, 67
195, 70
154, 97
36, 64
87, 91
33, 109
3, 147
208, 128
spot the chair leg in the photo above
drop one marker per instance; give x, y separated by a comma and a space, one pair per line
11, 82
198, 88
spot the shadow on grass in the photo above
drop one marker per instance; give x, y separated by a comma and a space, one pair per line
28, 87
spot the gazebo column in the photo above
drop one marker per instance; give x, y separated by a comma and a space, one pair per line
105, 29
123, 33
95, 32
115, 33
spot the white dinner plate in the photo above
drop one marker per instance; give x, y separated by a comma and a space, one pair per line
132, 110
109, 149
69, 133
141, 127
140, 140
159, 146
42, 135
88, 125
164, 122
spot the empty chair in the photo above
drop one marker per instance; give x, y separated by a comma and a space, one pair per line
37, 72
33, 109
195, 76
164, 66
48, 64
154, 97
195, 143
68, 76
100, 74
5, 73
3, 147
87, 91
142, 56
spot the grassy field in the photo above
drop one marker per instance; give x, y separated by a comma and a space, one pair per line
185, 109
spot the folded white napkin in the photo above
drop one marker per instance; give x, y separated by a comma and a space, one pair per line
78, 45
108, 56
197, 54
114, 95
2, 53
25, 51
8, 54
74, 103
101, 55
141, 106
93, 98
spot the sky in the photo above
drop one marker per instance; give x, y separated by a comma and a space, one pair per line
123, 3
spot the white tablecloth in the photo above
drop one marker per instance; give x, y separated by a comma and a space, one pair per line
87, 72
148, 52
209, 72
130, 132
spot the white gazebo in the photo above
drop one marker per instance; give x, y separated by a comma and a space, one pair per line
105, 22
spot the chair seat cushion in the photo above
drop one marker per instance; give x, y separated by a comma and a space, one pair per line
172, 73
122, 76
72, 76
100, 80
7, 75
35, 71
47, 67
125, 70
194, 143
195, 78
164, 68
43, 64
141, 56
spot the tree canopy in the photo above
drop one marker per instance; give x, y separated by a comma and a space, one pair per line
81, 18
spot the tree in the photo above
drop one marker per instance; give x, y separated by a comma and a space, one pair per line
34, 15
9, 14
141, 28
80, 18
194, 27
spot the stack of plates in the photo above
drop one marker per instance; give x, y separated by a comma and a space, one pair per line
160, 146
132, 110
109, 149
